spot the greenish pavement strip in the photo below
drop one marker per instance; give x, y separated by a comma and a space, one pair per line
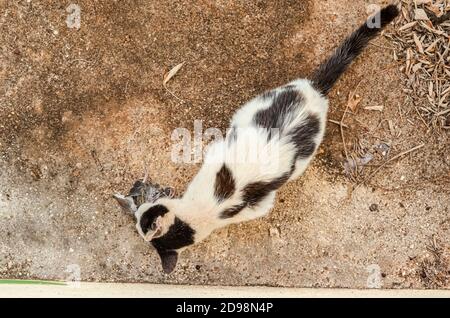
30, 282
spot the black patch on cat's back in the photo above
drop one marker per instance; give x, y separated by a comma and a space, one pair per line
283, 104
254, 193
232, 211
224, 185
268, 94
179, 235
149, 216
303, 136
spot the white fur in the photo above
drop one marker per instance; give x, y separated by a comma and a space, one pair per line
250, 158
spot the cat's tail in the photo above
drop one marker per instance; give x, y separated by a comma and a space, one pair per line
329, 72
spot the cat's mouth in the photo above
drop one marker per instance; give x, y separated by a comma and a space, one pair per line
158, 233
150, 236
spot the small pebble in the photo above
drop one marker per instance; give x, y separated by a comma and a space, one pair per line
274, 232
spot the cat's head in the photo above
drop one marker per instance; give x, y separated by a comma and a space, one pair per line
157, 223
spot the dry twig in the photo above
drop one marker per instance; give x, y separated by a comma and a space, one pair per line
389, 161
169, 75
423, 45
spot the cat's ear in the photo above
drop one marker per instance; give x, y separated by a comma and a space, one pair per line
126, 203
168, 260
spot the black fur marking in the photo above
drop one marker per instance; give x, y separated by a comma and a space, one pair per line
329, 72
268, 94
303, 137
180, 234
254, 193
277, 115
149, 216
224, 185
230, 212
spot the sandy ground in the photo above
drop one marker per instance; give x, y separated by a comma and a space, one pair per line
84, 111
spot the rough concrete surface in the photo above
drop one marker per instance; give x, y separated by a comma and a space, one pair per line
84, 111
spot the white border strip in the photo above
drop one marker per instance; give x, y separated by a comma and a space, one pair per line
111, 290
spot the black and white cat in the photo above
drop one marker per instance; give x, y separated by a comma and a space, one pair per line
238, 179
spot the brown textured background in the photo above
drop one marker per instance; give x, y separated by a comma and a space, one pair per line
83, 111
